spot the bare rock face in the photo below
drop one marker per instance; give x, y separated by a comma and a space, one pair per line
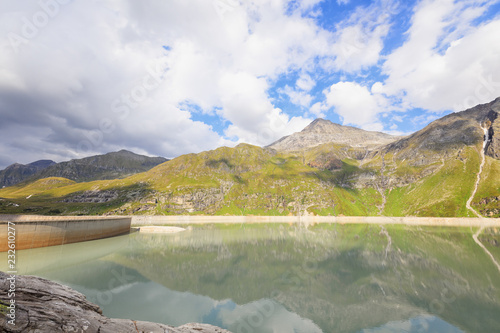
45, 306
324, 131
95, 196
448, 135
493, 125
326, 161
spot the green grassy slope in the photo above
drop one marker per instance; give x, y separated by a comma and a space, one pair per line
487, 198
429, 173
443, 193
249, 180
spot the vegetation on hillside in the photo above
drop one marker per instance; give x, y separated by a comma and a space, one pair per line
249, 180
429, 173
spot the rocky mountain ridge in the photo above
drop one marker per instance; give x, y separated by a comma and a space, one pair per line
107, 166
16, 173
322, 131
430, 173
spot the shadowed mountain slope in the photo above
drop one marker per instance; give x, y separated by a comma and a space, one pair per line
432, 172
108, 166
17, 173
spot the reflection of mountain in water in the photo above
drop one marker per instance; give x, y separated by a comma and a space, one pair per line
328, 278
343, 278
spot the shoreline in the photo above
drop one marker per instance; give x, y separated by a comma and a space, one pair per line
145, 220
151, 220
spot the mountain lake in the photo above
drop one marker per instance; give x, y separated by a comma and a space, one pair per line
284, 278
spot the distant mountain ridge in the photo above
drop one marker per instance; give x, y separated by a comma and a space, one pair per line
99, 167
108, 166
322, 131
449, 168
17, 172
451, 132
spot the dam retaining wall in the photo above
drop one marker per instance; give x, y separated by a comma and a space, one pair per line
33, 231
29, 231
139, 220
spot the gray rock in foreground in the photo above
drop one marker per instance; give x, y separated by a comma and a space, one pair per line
46, 306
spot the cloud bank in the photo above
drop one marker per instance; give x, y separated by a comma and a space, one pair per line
173, 77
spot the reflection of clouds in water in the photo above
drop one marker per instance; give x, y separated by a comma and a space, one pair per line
157, 303
340, 289
266, 316
418, 324
153, 302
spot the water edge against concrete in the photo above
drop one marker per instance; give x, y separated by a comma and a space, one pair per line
34, 231
142, 220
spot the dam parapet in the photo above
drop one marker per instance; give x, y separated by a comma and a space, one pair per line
33, 231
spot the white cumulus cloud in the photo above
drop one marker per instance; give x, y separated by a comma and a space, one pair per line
446, 62
355, 104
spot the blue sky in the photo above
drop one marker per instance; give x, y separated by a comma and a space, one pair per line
178, 76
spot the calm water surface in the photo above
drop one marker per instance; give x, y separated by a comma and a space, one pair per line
280, 278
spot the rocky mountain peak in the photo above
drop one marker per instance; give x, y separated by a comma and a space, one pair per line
321, 125
322, 131
123, 152
42, 164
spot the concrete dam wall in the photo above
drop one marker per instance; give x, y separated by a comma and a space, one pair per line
32, 231
142, 220
29, 231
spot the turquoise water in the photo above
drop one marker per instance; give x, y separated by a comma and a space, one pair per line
280, 278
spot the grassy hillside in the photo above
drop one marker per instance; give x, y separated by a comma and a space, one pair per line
249, 180
443, 193
429, 173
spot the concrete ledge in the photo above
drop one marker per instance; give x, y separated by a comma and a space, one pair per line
139, 220
33, 231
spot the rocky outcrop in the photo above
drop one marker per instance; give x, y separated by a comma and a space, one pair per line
322, 131
326, 161
492, 124
45, 306
95, 196
207, 200
198, 200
